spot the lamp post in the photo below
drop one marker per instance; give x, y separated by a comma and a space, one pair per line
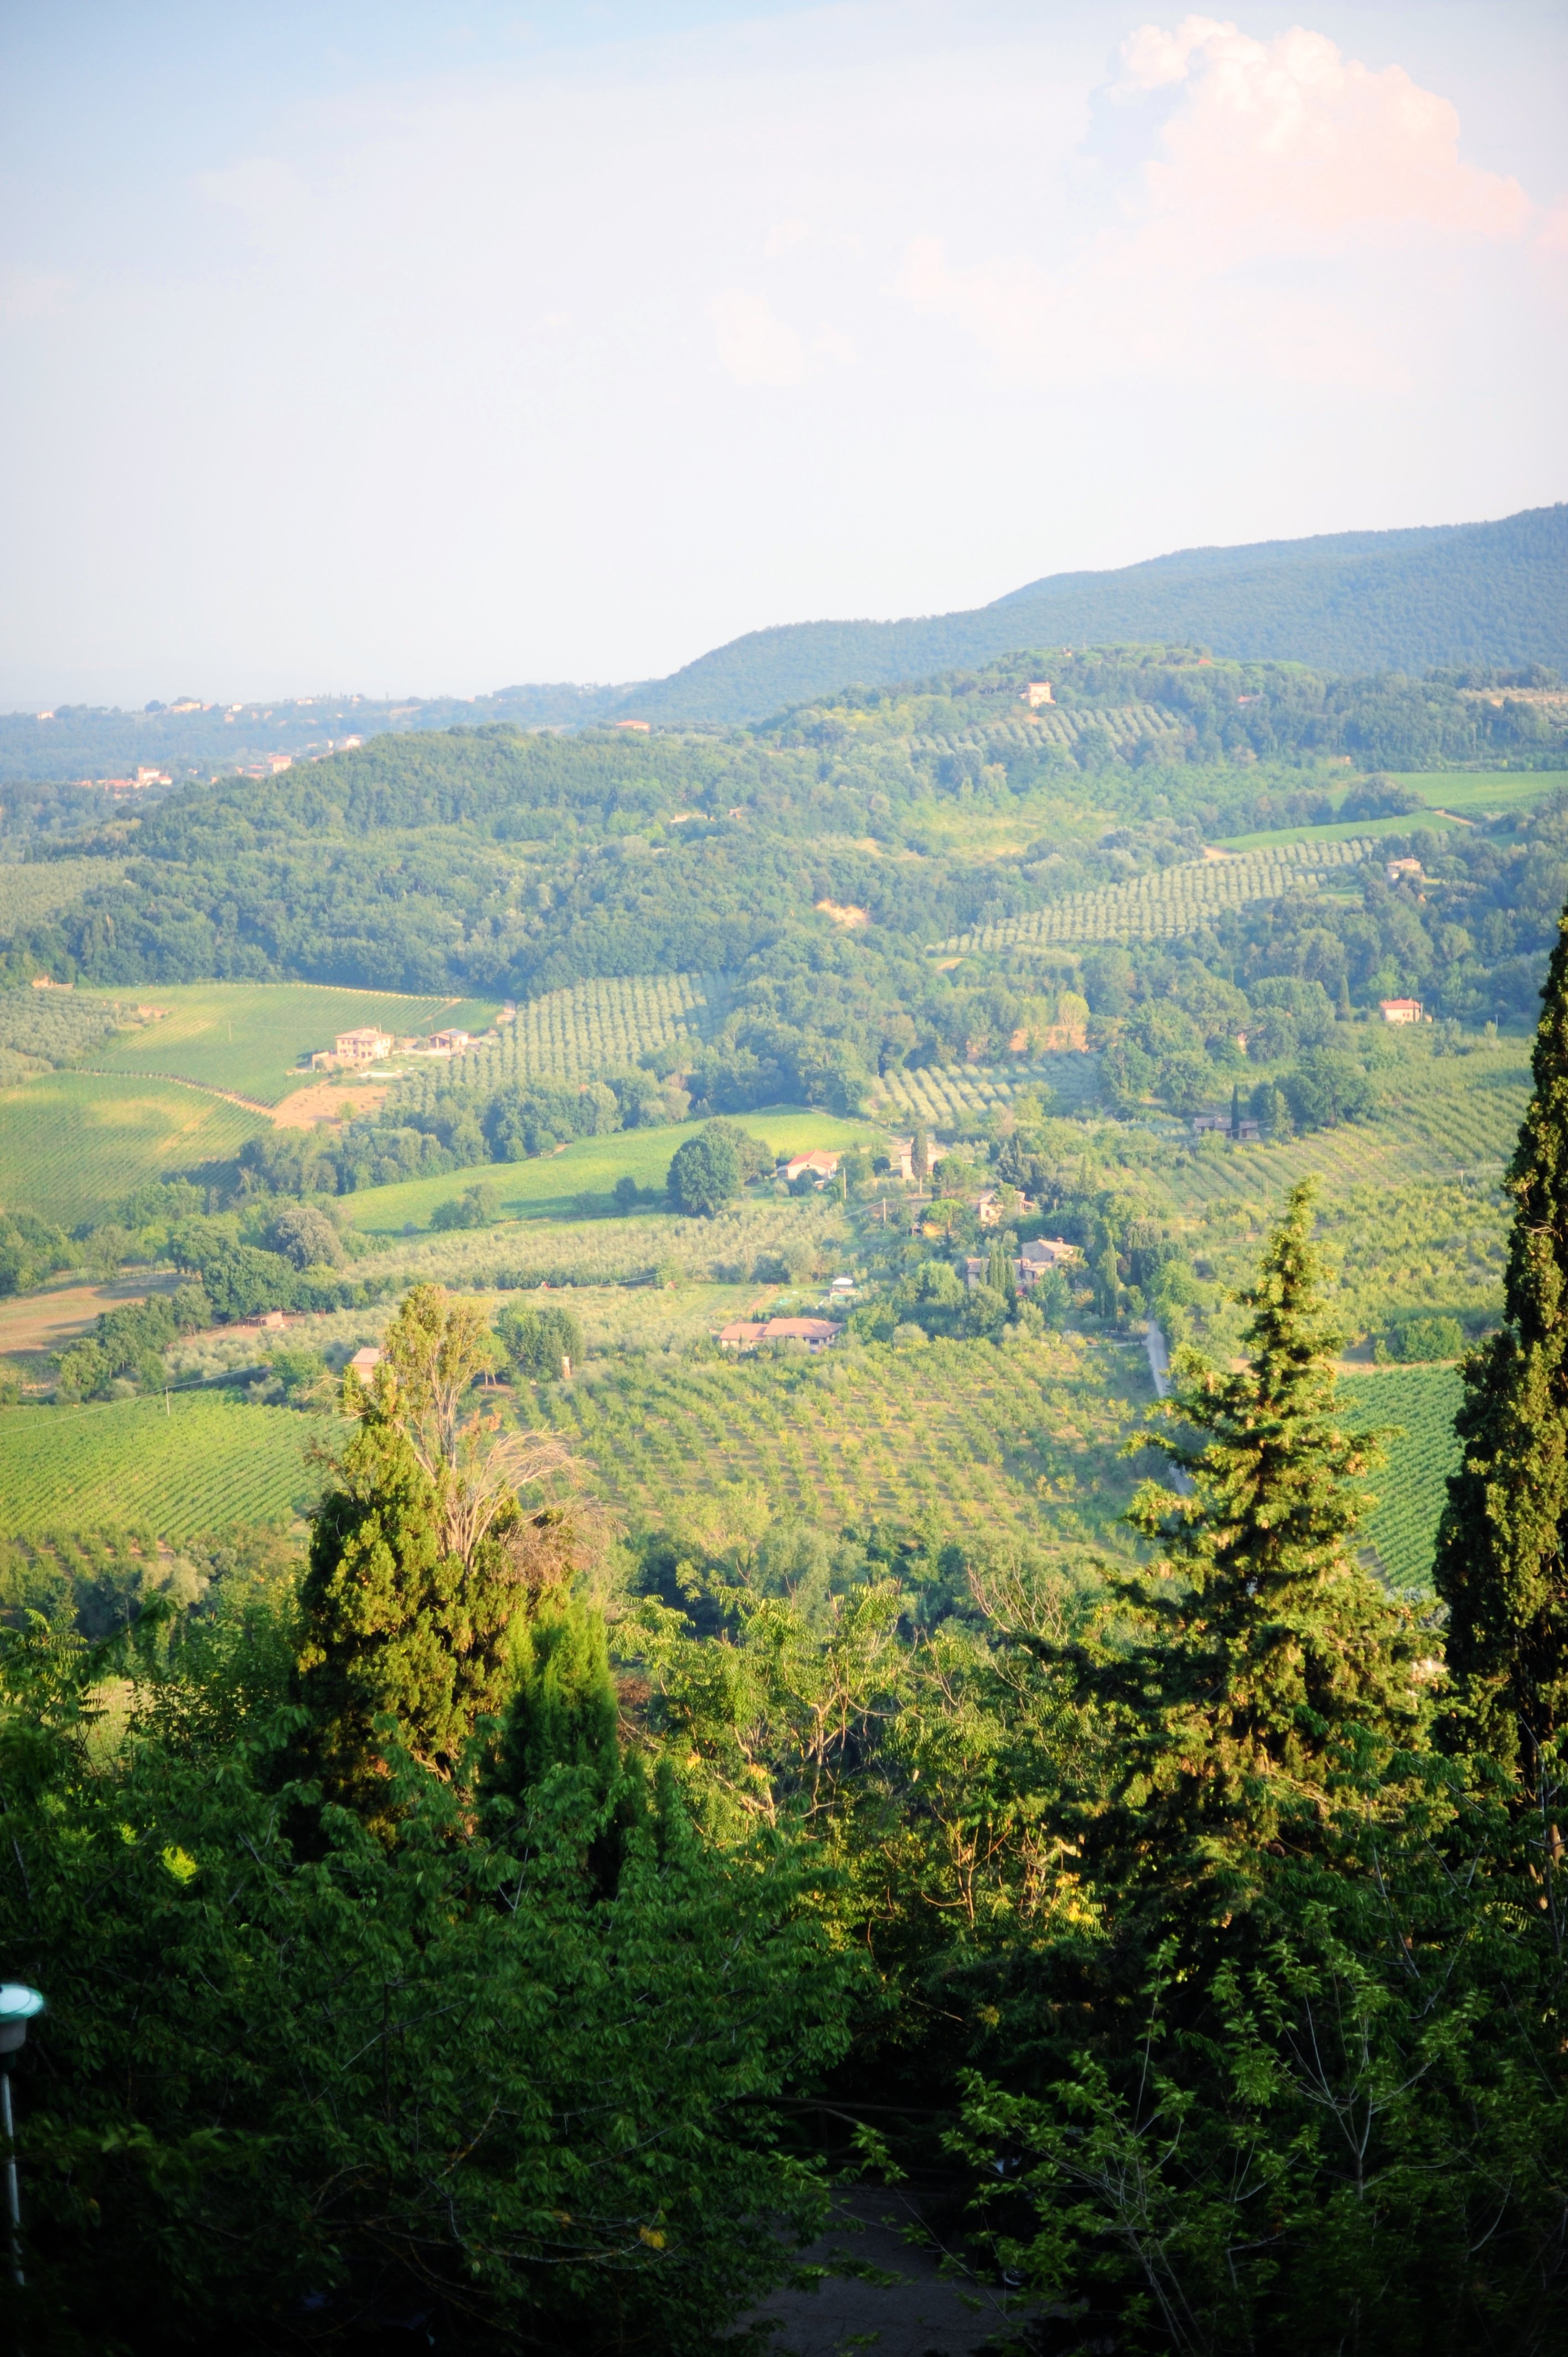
19, 2006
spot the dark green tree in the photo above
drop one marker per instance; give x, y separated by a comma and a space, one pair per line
422, 1563
1231, 1675
704, 1173
1500, 1565
543, 1344
564, 1711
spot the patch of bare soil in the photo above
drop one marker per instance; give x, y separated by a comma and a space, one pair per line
323, 1102
47, 1320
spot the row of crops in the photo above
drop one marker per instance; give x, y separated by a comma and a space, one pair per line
1169, 902
594, 1027
951, 1092
1123, 723
1005, 1442
1401, 1530
199, 1461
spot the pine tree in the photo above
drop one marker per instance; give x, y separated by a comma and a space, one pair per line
1500, 1567
1233, 1671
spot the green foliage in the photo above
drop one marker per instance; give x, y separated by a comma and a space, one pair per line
563, 1710
539, 1342
475, 1207
1260, 1639
1501, 1560
451, 2079
304, 1236
708, 1171
1427, 1337
127, 1344
421, 1564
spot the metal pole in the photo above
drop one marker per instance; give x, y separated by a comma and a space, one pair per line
13, 2198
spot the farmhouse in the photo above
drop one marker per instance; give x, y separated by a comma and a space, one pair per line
364, 1363
1401, 1010
746, 1333
353, 1049
450, 1043
818, 1164
1394, 868
1043, 1254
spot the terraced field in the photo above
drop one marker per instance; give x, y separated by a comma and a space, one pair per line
1016, 1443
71, 1144
201, 1464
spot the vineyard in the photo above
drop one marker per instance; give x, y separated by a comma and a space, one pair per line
1401, 1530
31, 893
1017, 1443
596, 1027
960, 1093
204, 1463
1168, 903
1121, 726
627, 1251
72, 1144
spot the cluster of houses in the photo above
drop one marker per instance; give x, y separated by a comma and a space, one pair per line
1033, 1262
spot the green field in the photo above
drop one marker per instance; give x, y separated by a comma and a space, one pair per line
1018, 1443
547, 1187
1468, 793
207, 1462
1403, 1526
71, 1144
1350, 830
250, 1036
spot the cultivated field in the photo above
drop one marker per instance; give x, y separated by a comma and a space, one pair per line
71, 1144
250, 1036
596, 1027
1016, 1443
1168, 903
1401, 1531
205, 1462
941, 1094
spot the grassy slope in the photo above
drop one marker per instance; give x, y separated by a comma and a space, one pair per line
208, 1461
250, 1036
546, 1187
1468, 793
72, 1144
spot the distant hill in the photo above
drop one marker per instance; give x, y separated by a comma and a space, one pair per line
1477, 594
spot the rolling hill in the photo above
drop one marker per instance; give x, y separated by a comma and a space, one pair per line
1479, 594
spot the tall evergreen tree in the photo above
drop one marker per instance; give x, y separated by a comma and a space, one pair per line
563, 1709
423, 1565
1230, 1673
1501, 1567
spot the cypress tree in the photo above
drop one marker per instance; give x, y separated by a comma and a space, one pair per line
563, 1710
1235, 1668
1501, 1552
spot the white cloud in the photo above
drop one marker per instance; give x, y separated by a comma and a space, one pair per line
1289, 143
270, 197
1278, 159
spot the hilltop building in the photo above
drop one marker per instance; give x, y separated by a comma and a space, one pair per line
1401, 1010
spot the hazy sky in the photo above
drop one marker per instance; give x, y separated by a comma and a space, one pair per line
427, 349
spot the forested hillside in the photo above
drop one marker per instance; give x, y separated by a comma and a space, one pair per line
1487, 594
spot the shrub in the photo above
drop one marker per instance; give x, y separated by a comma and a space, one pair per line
1427, 1337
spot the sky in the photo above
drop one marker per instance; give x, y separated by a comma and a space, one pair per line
425, 349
